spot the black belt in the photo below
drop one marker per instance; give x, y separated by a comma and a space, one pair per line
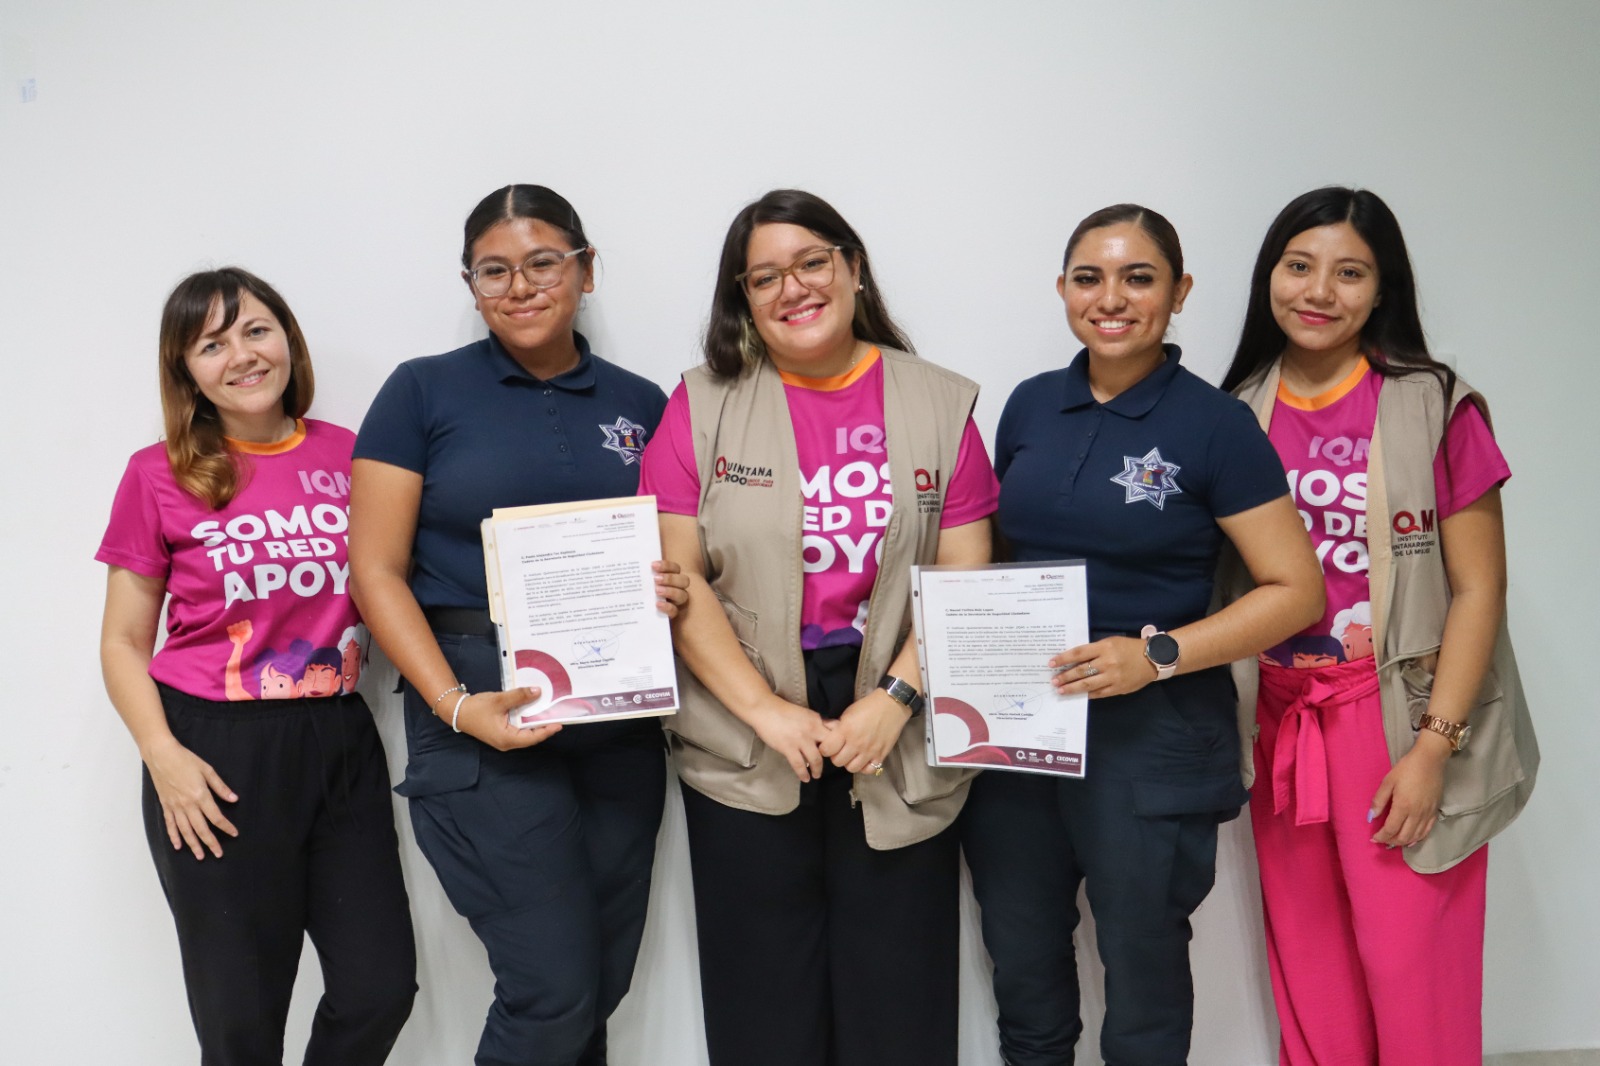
468, 621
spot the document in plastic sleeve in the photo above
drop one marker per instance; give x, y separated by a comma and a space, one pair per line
985, 637
573, 600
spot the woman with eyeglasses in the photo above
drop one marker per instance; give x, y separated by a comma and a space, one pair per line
542, 838
1374, 808
825, 865
1129, 461
266, 799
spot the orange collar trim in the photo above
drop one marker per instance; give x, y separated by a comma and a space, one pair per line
288, 444
1327, 398
838, 381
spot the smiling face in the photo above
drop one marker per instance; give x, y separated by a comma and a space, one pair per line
530, 322
1357, 641
807, 331
276, 685
1323, 290
1120, 292
350, 660
243, 369
320, 680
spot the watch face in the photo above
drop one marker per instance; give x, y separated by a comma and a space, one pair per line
1466, 735
1162, 649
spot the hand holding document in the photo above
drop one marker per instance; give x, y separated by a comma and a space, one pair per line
573, 600
985, 637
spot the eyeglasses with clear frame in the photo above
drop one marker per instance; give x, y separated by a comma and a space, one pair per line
813, 269
542, 270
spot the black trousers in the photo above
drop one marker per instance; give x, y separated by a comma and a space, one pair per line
547, 852
316, 854
815, 949
1131, 833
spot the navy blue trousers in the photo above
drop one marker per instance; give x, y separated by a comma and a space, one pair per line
547, 852
316, 854
1140, 833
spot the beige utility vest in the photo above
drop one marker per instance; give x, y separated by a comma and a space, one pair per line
750, 542
1487, 784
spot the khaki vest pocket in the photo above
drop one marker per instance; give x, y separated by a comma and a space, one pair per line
909, 772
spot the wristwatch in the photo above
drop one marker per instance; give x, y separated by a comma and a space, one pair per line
1457, 733
1162, 651
902, 692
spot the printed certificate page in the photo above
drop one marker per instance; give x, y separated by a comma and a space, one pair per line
574, 602
985, 636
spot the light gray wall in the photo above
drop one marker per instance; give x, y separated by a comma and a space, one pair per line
335, 148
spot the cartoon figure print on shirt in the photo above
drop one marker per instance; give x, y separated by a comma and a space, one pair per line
299, 671
258, 604
625, 437
1348, 639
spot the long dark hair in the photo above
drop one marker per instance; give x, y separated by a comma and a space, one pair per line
201, 461
1392, 338
732, 344
523, 201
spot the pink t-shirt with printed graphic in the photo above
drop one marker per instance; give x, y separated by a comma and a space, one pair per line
258, 604
844, 474
1323, 442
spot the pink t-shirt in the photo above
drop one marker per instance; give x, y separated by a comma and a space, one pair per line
258, 604
844, 474
1323, 442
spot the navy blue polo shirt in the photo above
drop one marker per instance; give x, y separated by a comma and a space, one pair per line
485, 433
1133, 486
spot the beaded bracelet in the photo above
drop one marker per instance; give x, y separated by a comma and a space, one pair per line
462, 687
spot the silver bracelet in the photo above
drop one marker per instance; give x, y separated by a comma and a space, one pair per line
455, 714
462, 687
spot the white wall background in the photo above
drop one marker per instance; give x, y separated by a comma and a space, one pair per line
335, 148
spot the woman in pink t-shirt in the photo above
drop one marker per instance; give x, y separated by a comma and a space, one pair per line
825, 863
235, 524
1371, 960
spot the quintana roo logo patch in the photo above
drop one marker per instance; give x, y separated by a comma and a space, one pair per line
1149, 478
625, 438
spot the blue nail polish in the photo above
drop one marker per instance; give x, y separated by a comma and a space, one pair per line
1370, 816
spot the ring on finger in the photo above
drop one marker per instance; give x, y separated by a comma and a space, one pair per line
877, 769
1090, 669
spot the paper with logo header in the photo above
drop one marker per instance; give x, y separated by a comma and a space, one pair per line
573, 600
985, 638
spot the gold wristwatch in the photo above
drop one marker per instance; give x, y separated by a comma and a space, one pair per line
1457, 733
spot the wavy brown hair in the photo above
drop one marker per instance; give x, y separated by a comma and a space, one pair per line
732, 345
201, 460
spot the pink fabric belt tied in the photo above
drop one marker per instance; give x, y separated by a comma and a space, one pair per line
1299, 754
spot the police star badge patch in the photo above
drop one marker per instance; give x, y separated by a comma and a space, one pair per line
1150, 478
625, 438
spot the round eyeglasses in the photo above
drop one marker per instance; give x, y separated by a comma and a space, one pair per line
541, 270
813, 269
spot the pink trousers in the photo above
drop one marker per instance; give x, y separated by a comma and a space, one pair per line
1372, 963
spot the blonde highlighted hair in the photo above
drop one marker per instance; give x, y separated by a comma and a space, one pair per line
201, 460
